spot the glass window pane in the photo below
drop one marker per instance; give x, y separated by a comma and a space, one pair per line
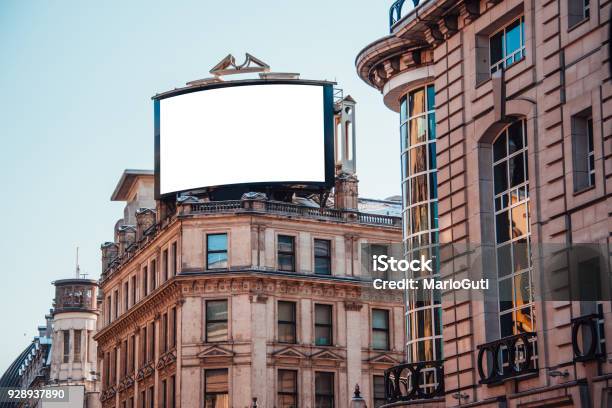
504, 264
323, 336
420, 218
500, 177
380, 319
499, 147
418, 159
513, 37
515, 137
419, 189
285, 262
216, 310
216, 331
403, 109
216, 381
286, 311
323, 314
416, 102
285, 243
286, 332
517, 170
404, 137
287, 381
322, 266
418, 130
505, 294
322, 247
431, 123
217, 260
496, 47
502, 227
506, 326
431, 97
519, 221
217, 242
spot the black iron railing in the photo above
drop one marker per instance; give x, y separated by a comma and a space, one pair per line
396, 11
414, 381
508, 357
587, 333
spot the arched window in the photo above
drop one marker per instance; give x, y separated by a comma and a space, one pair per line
512, 231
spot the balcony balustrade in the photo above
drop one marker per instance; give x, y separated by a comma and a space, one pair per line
587, 337
414, 381
506, 358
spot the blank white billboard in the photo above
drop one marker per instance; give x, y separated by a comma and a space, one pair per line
270, 133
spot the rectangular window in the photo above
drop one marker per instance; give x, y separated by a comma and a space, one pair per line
173, 332
380, 329
583, 151
151, 346
507, 45
126, 296
164, 395
77, 346
286, 253
134, 288
287, 389
322, 256
379, 391
66, 346
143, 346
116, 305
216, 251
286, 322
151, 397
108, 309
164, 333
124, 358
143, 402
578, 11
174, 259
145, 281
165, 264
172, 392
216, 388
153, 274
323, 325
216, 320
324, 390
132, 353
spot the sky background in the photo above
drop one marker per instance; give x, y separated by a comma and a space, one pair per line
76, 80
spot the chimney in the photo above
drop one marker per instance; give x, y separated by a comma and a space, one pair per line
145, 219
126, 235
110, 251
346, 192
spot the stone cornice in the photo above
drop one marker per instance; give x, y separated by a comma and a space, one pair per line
164, 296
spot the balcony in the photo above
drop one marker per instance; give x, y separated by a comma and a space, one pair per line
510, 357
414, 381
289, 210
588, 342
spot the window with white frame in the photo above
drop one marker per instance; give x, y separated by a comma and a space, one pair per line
507, 45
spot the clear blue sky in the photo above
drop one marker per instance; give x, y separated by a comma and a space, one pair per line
76, 79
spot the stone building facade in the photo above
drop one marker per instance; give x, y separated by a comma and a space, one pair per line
227, 301
506, 139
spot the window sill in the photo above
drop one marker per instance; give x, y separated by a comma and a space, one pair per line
578, 24
584, 190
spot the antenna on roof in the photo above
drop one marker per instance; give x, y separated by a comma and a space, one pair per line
77, 269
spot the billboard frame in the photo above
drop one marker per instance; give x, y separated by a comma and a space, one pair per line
328, 136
